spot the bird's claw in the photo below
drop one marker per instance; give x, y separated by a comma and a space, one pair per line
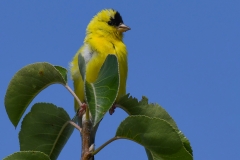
82, 109
112, 109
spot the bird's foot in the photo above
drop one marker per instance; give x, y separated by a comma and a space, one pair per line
82, 109
112, 109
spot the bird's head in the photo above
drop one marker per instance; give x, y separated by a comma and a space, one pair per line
107, 22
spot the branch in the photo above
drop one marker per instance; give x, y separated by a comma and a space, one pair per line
86, 139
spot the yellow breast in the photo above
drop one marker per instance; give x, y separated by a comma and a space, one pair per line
95, 51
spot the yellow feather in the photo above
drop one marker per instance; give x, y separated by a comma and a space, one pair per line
102, 38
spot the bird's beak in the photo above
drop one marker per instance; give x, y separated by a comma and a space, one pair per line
123, 28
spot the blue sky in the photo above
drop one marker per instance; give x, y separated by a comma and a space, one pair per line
182, 55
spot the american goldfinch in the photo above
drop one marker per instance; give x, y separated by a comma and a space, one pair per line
104, 36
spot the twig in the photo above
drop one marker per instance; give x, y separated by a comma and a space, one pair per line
74, 95
103, 145
75, 125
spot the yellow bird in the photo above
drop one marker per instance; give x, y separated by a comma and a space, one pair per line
104, 36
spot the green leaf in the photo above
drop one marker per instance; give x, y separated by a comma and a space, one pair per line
63, 72
133, 107
149, 154
82, 66
26, 84
182, 154
185, 142
45, 128
101, 94
156, 135
27, 155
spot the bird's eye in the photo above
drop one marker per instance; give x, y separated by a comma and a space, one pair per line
110, 23
116, 20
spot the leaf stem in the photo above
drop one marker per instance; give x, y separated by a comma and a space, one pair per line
87, 113
58, 137
75, 125
74, 95
103, 145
